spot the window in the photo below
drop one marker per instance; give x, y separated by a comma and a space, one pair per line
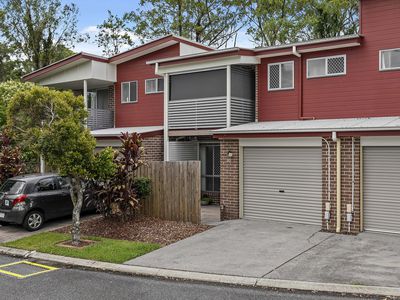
210, 159
389, 59
47, 184
155, 85
281, 76
326, 66
129, 92
12, 187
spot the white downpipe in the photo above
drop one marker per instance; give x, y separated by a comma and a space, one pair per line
228, 95
329, 176
295, 52
166, 136
352, 174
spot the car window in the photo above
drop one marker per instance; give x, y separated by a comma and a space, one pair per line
13, 187
47, 184
62, 182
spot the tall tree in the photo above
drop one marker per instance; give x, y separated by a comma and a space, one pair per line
210, 22
331, 18
38, 30
10, 67
274, 22
114, 33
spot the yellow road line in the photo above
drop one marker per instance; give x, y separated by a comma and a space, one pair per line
19, 276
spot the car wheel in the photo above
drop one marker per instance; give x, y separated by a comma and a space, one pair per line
33, 221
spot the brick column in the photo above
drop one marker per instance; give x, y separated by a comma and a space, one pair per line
229, 196
153, 148
346, 183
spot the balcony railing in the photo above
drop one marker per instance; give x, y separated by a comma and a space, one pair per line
100, 118
197, 113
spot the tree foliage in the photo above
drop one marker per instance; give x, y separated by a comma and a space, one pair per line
114, 33
31, 111
69, 147
10, 158
38, 31
10, 68
275, 22
8, 90
211, 22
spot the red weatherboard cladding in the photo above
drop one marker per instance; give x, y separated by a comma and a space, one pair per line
363, 92
148, 111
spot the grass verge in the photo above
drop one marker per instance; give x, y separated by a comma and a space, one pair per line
107, 250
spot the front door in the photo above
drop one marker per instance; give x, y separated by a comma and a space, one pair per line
210, 168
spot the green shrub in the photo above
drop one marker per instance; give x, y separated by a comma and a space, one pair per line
143, 187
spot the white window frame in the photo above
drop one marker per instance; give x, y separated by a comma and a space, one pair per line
129, 96
381, 60
280, 76
326, 66
157, 91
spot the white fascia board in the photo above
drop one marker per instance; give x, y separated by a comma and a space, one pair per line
209, 64
87, 70
380, 141
281, 142
307, 130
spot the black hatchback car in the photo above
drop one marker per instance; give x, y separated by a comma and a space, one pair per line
30, 200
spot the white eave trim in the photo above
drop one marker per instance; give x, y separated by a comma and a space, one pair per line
209, 64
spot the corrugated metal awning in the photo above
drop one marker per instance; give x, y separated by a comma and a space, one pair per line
326, 125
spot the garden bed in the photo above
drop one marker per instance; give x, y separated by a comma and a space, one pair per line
141, 229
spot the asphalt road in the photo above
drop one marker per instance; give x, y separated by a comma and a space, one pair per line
67, 283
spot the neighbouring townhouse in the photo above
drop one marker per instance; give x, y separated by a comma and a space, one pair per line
306, 133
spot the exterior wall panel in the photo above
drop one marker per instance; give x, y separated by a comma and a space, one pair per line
148, 111
363, 92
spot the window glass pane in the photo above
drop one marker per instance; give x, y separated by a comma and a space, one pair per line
396, 58
336, 65
209, 160
316, 67
102, 99
391, 59
125, 92
12, 187
160, 85
209, 184
274, 76
216, 184
287, 75
44, 185
133, 94
151, 86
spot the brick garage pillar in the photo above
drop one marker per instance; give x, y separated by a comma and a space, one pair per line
346, 183
153, 148
229, 195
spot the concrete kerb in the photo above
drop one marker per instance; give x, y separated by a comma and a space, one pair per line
204, 277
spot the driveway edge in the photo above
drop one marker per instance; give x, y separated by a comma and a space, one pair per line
205, 277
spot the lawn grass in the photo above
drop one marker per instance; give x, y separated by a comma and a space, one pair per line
107, 250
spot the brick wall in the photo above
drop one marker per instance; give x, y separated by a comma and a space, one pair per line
229, 195
111, 98
154, 148
346, 183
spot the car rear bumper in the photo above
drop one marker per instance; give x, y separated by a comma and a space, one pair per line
11, 216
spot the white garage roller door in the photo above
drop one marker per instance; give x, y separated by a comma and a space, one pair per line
382, 189
282, 184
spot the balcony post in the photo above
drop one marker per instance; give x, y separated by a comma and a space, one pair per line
166, 100
85, 98
228, 95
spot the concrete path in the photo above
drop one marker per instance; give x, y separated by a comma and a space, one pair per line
210, 214
274, 250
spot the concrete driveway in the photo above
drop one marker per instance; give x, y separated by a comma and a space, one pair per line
284, 251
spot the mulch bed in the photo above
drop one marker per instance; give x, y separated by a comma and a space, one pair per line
141, 229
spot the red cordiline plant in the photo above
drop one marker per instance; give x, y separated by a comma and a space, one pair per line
118, 197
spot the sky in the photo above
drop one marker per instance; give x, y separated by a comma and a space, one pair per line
94, 12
